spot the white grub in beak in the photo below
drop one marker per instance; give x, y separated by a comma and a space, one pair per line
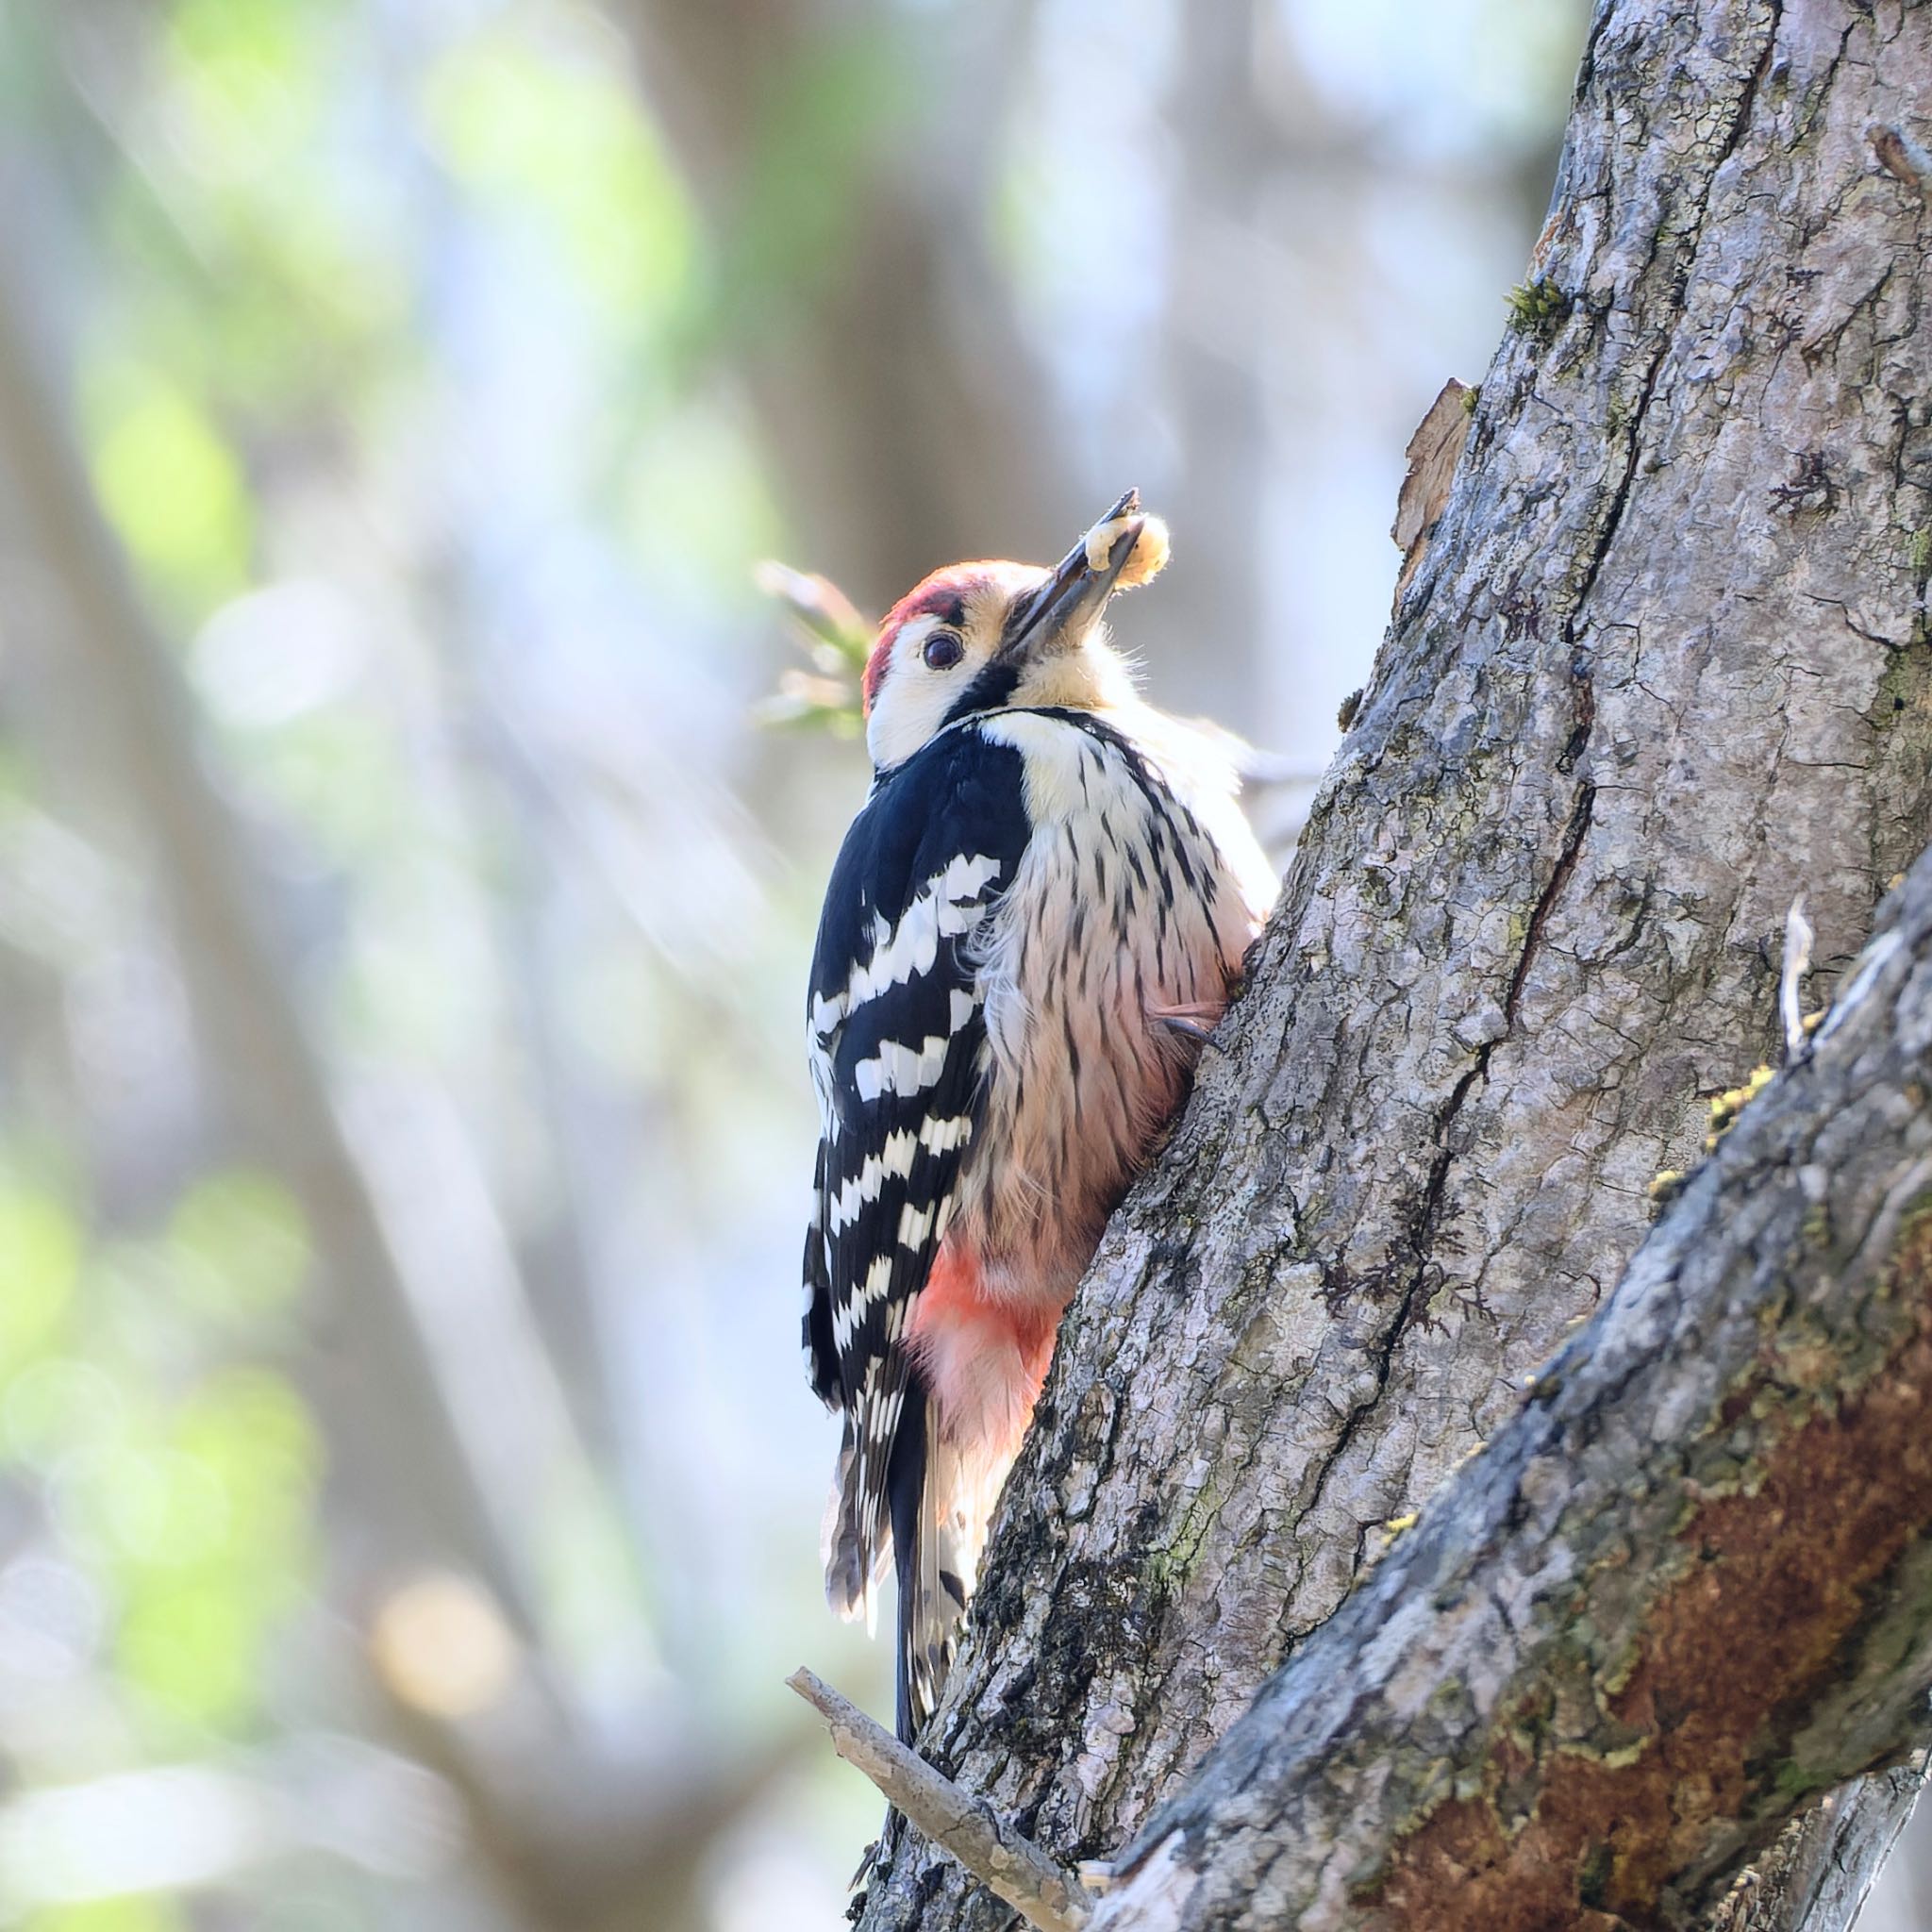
1145, 561
1124, 548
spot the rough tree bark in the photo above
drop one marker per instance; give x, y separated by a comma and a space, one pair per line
1689, 1583
1664, 667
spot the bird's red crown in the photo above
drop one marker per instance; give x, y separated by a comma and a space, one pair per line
942, 595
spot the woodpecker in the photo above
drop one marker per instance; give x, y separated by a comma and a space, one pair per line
1032, 925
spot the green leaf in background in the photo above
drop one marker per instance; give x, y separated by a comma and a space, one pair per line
563, 140
56, 1406
239, 1246
188, 1493
170, 485
253, 1436
261, 219
140, 1914
826, 116
248, 81
39, 1266
192, 1649
220, 1550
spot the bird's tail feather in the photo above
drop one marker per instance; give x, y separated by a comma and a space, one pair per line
938, 1502
850, 1581
937, 1533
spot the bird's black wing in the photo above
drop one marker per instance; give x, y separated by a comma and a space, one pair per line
896, 1040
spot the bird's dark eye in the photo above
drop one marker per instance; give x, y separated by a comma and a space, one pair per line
943, 649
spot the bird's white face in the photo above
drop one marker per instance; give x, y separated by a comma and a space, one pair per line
1009, 634
933, 645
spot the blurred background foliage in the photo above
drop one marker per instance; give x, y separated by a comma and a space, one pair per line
408, 1489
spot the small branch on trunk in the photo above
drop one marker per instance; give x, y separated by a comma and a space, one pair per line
1044, 1893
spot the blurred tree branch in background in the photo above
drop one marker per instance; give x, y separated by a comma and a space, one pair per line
379, 1385
584, 1840
842, 161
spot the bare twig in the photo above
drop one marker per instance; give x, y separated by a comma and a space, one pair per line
1044, 1893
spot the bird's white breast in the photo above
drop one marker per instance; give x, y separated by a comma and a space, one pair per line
1135, 895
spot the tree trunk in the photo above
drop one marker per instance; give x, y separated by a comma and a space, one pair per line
1687, 1586
1665, 667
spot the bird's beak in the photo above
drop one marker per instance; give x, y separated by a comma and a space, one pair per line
1062, 611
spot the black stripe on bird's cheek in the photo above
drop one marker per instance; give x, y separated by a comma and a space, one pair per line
993, 687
